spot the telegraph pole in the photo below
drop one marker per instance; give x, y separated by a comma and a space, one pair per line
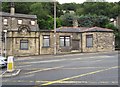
55, 47
5, 43
1, 30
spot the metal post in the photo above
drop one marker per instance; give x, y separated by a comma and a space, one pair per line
1, 31
5, 43
55, 29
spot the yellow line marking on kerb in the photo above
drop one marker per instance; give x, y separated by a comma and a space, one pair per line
81, 75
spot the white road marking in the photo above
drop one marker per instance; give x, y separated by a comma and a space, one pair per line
24, 58
26, 76
46, 69
59, 60
78, 76
66, 82
86, 68
23, 66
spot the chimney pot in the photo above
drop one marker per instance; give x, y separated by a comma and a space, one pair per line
12, 9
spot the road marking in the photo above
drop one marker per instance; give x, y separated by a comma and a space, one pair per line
66, 82
24, 58
81, 75
33, 69
46, 69
59, 60
69, 55
48, 61
22, 66
26, 76
86, 68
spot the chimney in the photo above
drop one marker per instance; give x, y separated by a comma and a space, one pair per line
75, 23
12, 9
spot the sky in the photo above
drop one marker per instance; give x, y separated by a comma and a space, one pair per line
80, 1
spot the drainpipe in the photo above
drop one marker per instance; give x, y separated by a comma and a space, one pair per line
97, 42
39, 43
1, 43
81, 44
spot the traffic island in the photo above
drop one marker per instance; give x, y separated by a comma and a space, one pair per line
10, 68
7, 74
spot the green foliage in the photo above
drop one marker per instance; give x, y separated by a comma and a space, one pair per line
99, 8
92, 20
111, 26
22, 7
67, 19
5, 7
69, 6
89, 13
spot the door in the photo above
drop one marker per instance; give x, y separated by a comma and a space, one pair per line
75, 44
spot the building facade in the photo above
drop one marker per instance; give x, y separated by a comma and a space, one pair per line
24, 37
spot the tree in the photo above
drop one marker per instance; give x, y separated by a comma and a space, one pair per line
44, 16
44, 12
95, 0
92, 20
67, 19
69, 6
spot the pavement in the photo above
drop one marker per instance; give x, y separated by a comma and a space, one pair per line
71, 69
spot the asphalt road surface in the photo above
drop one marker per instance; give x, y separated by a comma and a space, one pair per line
71, 69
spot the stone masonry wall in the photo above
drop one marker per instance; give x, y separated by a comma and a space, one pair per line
13, 23
90, 49
105, 41
102, 41
13, 45
47, 50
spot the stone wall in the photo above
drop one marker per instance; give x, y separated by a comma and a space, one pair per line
89, 49
47, 50
63, 49
13, 45
102, 41
13, 23
105, 41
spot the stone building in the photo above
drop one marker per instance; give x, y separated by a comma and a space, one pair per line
24, 37
118, 22
82, 39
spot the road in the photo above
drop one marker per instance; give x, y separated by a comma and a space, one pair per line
71, 69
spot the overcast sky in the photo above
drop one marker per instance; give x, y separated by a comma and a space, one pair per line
80, 1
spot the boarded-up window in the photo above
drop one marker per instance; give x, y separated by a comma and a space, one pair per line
46, 41
23, 44
89, 40
64, 41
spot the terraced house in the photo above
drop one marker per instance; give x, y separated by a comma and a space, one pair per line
25, 38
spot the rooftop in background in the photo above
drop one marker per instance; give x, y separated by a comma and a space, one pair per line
5, 14
83, 29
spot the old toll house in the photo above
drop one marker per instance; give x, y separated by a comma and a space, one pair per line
24, 37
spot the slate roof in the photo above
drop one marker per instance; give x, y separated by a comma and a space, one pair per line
71, 29
98, 29
5, 14
82, 29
